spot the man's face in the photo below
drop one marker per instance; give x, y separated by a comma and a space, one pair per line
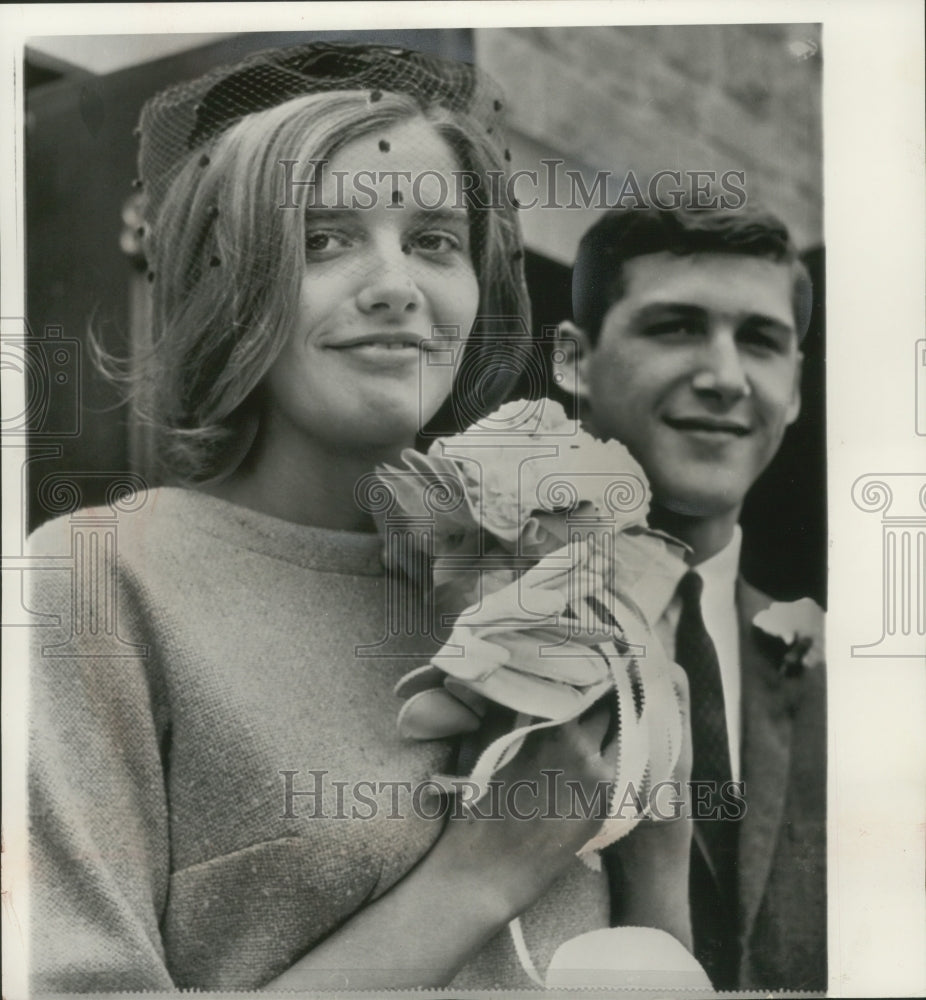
697, 371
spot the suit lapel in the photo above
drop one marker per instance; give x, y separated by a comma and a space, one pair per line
766, 755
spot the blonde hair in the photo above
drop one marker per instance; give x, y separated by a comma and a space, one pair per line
227, 264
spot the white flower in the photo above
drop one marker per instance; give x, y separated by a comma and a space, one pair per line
799, 625
528, 457
528, 417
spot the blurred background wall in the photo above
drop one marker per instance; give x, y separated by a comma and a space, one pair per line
652, 98
618, 99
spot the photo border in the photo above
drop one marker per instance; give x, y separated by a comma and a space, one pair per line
873, 210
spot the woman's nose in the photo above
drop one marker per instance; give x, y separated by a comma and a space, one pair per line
389, 286
721, 372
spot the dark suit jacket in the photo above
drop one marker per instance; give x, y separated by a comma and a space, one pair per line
782, 837
781, 862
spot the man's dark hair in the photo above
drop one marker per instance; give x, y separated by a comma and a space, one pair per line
620, 235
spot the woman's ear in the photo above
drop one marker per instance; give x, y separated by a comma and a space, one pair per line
570, 358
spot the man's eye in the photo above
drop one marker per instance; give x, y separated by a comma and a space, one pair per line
674, 327
762, 339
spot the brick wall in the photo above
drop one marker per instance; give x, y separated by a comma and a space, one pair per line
643, 99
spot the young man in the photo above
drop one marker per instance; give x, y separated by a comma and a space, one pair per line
686, 348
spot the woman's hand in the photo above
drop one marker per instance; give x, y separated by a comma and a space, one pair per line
546, 804
494, 860
486, 867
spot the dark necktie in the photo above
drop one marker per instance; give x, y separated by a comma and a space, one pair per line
713, 889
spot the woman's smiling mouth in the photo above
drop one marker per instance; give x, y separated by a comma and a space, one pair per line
387, 340
394, 343
382, 349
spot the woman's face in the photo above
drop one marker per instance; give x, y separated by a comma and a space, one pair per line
387, 269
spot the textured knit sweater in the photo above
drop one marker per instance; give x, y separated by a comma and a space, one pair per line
193, 712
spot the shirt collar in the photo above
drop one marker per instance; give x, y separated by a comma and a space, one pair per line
720, 571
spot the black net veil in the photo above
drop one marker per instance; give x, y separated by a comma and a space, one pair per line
182, 126
187, 117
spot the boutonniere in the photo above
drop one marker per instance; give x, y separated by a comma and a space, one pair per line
799, 625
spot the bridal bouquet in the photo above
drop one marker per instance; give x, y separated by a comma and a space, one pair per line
541, 561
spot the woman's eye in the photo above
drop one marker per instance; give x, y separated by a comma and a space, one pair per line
323, 241
437, 242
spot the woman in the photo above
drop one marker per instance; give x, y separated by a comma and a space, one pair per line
218, 790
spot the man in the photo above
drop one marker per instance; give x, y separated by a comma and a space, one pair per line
686, 348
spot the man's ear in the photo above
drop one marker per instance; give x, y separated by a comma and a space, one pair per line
571, 359
794, 407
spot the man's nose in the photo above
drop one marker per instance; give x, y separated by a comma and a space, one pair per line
721, 373
389, 285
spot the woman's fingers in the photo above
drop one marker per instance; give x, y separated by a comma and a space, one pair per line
434, 714
534, 695
419, 679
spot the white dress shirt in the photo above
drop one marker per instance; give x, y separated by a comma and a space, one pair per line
718, 608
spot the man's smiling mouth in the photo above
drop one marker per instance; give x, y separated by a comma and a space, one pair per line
708, 425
